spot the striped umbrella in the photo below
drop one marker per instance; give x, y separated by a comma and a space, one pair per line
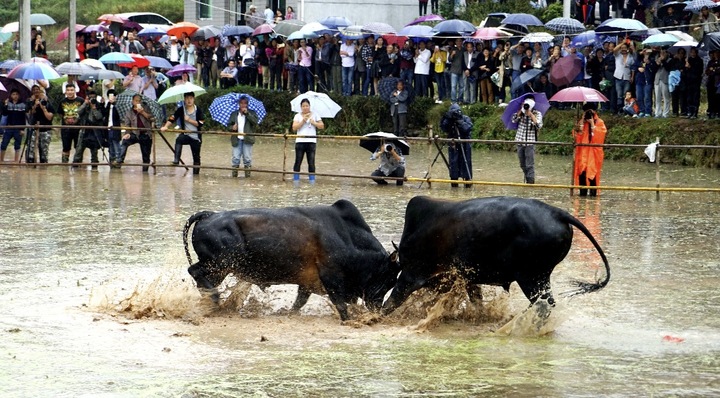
378, 28
222, 107
696, 5
285, 28
565, 25
33, 71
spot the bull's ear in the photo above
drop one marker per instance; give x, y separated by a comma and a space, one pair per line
395, 261
395, 246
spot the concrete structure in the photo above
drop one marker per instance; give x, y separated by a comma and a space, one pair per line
397, 13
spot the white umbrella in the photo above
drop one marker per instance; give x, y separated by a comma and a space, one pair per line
320, 104
35, 19
537, 37
93, 62
74, 68
681, 35
686, 45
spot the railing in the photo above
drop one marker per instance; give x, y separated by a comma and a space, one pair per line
430, 140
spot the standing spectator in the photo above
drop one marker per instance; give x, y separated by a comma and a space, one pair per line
435, 6
289, 13
671, 20
470, 73
359, 76
422, 7
187, 54
274, 56
278, 16
191, 119
504, 64
399, 108
542, 85
92, 46
486, 67
217, 62
456, 125
131, 45
380, 51
71, 109
596, 69
133, 81
150, 83
254, 19
662, 89
204, 62
624, 74
347, 55
693, 79
247, 63
590, 129
269, 15
517, 52
291, 65
609, 71
529, 121
645, 81
41, 113
367, 53
709, 22
678, 88
438, 60
140, 118
392, 164
148, 50
174, 51
245, 122
306, 124
604, 10
15, 111
228, 76
39, 47
112, 116
422, 69
305, 76
712, 71
407, 63
336, 68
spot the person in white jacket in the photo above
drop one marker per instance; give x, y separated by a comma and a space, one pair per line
422, 70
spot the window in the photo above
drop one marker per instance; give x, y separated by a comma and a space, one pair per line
203, 9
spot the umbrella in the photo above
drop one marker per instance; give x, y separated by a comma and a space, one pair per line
621, 27
394, 39
96, 28
5, 36
663, 39
115, 58
13, 84
584, 39
64, 33
123, 104
353, 32
222, 107
687, 45
682, 36
41, 60
565, 70
41, 19
676, 6
522, 19
578, 94
416, 31
710, 42
316, 27
33, 71
285, 28
230, 30
131, 25
9, 64
112, 18
152, 32
696, 5
387, 86
74, 68
101, 74
454, 27
93, 62
182, 27
515, 28
320, 104
298, 36
374, 140
378, 28
137, 60
207, 32
2, 87
426, 18
565, 25
526, 77
177, 93
158, 62
179, 69
264, 29
335, 22
537, 37
489, 34
541, 104
643, 35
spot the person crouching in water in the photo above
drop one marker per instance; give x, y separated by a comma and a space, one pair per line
392, 164
457, 125
590, 129
190, 118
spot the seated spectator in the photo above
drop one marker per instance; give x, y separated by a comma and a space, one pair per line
228, 76
631, 107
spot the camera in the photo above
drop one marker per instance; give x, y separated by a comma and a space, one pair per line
588, 115
388, 148
526, 106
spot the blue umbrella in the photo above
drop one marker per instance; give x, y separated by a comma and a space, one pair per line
644, 35
9, 64
565, 25
522, 19
584, 39
152, 32
230, 30
696, 5
222, 107
541, 104
353, 33
663, 39
455, 27
335, 22
298, 36
416, 31
621, 27
526, 77
115, 58
33, 71
158, 62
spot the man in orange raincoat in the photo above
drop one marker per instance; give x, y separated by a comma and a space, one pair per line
590, 129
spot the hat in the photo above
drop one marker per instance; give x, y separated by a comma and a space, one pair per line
39, 29
252, 7
530, 102
173, 38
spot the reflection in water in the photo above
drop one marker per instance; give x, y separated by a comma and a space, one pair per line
76, 238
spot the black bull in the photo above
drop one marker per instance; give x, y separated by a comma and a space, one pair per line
494, 241
322, 249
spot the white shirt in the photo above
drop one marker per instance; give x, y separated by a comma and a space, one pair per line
247, 52
308, 131
348, 61
241, 125
422, 62
174, 53
269, 16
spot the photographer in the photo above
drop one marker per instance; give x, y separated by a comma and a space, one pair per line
529, 123
41, 113
91, 138
392, 164
456, 125
590, 129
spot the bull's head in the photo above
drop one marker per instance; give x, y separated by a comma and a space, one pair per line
382, 281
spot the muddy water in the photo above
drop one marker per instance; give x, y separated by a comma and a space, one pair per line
95, 299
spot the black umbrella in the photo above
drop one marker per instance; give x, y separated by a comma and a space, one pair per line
387, 86
374, 140
11, 84
526, 77
711, 42
675, 5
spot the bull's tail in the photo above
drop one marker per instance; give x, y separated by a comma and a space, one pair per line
588, 287
193, 219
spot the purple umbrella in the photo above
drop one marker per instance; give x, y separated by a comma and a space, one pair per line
11, 84
131, 25
522, 19
565, 70
263, 29
179, 69
426, 18
96, 28
541, 104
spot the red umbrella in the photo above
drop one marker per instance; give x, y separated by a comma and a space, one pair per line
263, 30
182, 27
565, 70
64, 33
112, 18
138, 60
394, 39
578, 94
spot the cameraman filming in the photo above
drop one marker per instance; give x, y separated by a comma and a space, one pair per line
392, 164
590, 129
456, 125
529, 122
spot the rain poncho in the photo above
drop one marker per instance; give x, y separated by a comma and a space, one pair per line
589, 159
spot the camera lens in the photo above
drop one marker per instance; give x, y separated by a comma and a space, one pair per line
526, 106
388, 147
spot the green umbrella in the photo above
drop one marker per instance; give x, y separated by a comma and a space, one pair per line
177, 93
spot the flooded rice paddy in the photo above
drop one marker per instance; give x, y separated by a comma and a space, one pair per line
95, 299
